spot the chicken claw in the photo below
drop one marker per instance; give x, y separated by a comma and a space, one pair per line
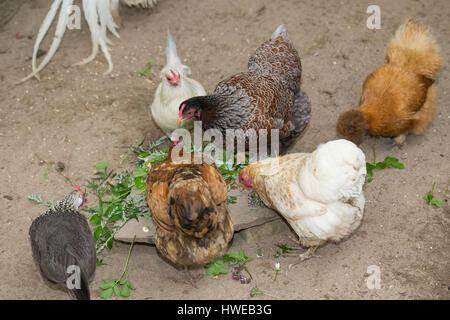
400, 140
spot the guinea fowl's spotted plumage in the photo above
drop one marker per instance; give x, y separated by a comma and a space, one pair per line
60, 238
267, 96
188, 205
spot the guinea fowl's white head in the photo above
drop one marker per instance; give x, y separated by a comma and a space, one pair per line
174, 70
79, 198
335, 170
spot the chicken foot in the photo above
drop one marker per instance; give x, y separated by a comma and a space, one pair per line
303, 256
400, 140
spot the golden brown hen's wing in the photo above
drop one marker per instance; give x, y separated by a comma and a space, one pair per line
216, 184
157, 186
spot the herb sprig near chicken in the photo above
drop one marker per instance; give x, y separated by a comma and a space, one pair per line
266, 96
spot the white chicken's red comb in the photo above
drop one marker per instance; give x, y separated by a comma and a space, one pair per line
180, 114
77, 188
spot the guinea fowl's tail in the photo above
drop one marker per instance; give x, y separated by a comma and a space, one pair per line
81, 293
414, 48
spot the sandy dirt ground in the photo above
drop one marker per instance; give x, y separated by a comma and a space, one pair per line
80, 117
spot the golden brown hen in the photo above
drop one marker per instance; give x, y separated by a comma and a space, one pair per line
398, 98
189, 206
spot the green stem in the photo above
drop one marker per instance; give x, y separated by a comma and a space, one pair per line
128, 258
373, 150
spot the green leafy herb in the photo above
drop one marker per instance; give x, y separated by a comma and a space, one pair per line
37, 198
429, 198
234, 258
120, 286
216, 268
284, 249
147, 70
388, 162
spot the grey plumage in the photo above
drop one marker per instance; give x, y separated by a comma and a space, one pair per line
60, 238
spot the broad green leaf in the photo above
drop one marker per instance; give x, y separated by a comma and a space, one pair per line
437, 203
101, 166
117, 291
97, 232
428, 197
380, 166
96, 219
106, 294
107, 285
215, 268
125, 292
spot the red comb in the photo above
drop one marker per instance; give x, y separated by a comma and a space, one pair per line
77, 188
175, 76
181, 111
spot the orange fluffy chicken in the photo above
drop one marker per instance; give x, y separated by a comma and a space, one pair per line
398, 98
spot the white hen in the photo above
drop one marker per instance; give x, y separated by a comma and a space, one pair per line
175, 87
99, 15
319, 194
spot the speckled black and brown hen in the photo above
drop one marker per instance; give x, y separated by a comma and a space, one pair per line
61, 238
267, 96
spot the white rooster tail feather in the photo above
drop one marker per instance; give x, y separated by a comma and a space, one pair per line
60, 29
280, 31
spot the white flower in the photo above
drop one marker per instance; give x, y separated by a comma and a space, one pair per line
277, 266
145, 229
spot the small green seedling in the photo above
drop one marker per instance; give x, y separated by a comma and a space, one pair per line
284, 249
231, 199
234, 258
389, 162
120, 286
37, 198
147, 70
429, 198
216, 268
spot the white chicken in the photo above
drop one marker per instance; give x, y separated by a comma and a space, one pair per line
175, 87
319, 194
100, 16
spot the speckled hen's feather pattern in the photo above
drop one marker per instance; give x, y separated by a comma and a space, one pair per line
264, 97
188, 205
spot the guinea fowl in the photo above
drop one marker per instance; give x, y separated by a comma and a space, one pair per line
188, 202
62, 242
267, 96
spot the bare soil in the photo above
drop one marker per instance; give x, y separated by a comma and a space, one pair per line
80, 117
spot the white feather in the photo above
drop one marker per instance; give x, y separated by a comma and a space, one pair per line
59, 33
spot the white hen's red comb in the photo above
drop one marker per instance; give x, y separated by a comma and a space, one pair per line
77, 188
